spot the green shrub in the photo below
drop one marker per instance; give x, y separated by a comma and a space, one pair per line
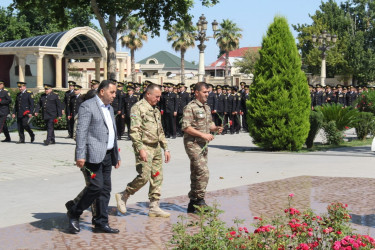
279, 105
366, 102
316, 122
332, 133
343, 117
365, 125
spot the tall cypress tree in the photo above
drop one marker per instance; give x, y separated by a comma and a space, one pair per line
279, 105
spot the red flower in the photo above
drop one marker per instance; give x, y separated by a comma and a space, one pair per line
0, 99
346, 127
119, 149
291, 195
156, 174
162, 112
233, 233
230, 122
55, 121
26, 112
93, 176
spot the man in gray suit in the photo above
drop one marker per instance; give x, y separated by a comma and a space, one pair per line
96, 152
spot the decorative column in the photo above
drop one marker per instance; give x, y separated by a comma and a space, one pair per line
97, 68
21, 67
58, 71
121, 69
39, 70
105, 68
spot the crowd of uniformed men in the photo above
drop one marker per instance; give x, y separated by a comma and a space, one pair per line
228, 107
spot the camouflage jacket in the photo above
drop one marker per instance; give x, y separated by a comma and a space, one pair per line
145, 126
197, 116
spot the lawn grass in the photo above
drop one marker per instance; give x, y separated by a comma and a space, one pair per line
350, 143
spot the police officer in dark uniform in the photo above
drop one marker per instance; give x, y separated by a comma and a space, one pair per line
170, 112
351, 96
192, 92
242, 91
340, 96
244, 98
221, 105
236, 109
228, 107
211, 101
120, 95
184, 99
319, 96
329, 97
137, 90
68, 94
5, 101
23, 109
51, 107
117, 107
129, 101
75, 102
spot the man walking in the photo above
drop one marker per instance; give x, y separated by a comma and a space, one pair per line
197, 125
148, 138
51, 106
23, 109
96, 152
69, 94
5, 101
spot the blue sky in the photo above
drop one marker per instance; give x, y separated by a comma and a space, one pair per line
252, 16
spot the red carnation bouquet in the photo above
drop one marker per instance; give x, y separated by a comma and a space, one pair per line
26, 112
55, 121
92, 174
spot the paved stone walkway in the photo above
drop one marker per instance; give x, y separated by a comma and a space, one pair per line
36, 181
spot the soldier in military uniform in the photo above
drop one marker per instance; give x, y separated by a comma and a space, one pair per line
75, 102
129, 101
5, 101
184, 99
170, 112
228, 108
192, 89
236, 108
148, 138
221, 105
244, 98
23, 109
340, 96
197, 124
120, 123
137, 90
329, 97
351, 96
212, 102
51, 107
68, 94
319, 96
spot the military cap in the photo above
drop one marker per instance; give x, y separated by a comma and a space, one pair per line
228, 87
339, 86
148, 82
359, 87
120, 84
130, 87
218, 87
210, 85
47, 86
113, 80
2, 82
20, 84
234, 88
242, 83
247, 87
318, 85
344, 88
94, 82
175, 86
333, 87
192, 86
181, 84
72, 83
77, 86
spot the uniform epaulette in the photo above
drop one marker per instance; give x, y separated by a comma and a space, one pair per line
6, 89
28, 91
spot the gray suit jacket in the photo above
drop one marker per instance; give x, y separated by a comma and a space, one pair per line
92, 133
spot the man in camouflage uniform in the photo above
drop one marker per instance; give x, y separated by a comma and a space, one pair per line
197, 124
148, 138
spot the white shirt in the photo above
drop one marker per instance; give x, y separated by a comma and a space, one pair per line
108, 121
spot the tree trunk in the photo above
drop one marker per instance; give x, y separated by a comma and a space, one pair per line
183, 66
132, 58
226, 68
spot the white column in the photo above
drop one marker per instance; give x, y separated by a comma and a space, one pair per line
58, 71
201, 66
39, 70
97, 68
105, 68
323, 72
121, 69
21, 67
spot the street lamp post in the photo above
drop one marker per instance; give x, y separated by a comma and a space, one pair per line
325, 42
201, 37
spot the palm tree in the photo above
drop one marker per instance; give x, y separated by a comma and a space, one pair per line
132, 38
228, 39
183, 37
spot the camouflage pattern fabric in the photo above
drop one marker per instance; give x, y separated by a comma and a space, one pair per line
150, 171
197, 116
147, 133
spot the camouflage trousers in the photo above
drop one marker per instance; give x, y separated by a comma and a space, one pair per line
150, 171
199, 173
87, 177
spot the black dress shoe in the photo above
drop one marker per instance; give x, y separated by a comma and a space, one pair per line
6, 140
173, 137
46, 143
53, 142
32, 138
106, 229
69, 205
73, 224
19, 142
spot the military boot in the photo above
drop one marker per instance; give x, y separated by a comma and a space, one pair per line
155, 210
121, 201
199, 203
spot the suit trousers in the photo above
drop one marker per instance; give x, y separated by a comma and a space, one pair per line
98, 190
4, 127
50, 130
22, 126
